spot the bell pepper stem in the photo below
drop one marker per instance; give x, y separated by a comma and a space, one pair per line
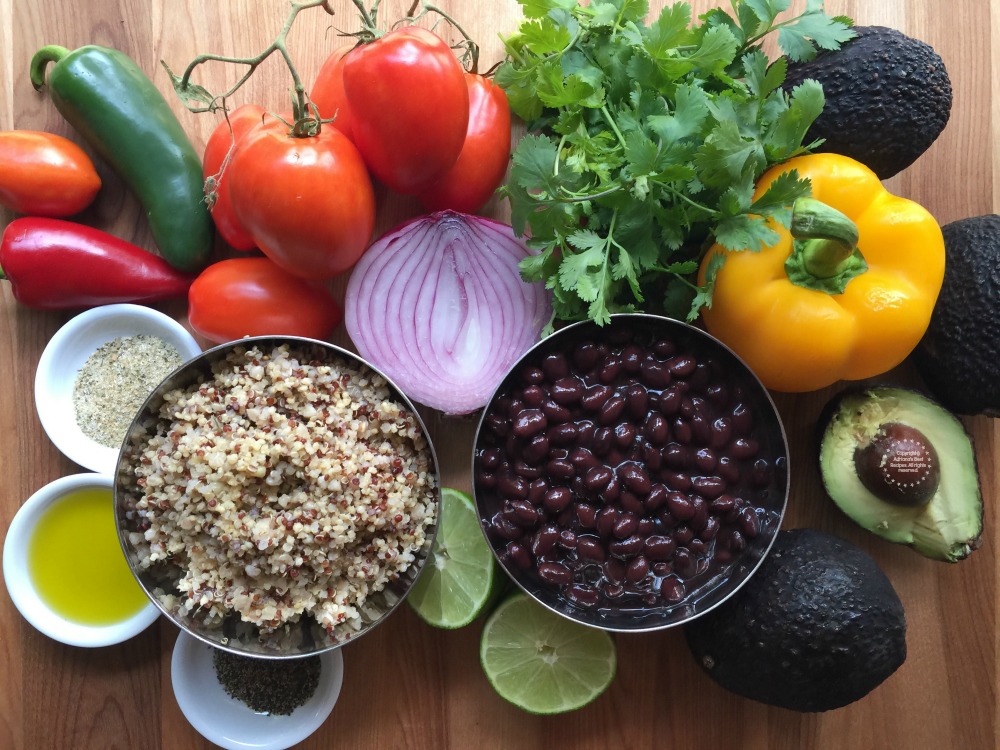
825, 254
40, 61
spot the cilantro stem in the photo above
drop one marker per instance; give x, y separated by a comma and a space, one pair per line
589, 196
614, 126
690, 201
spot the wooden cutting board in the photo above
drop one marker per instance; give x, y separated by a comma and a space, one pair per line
406, 685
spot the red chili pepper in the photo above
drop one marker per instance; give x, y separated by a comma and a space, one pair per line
58, 265
254, 297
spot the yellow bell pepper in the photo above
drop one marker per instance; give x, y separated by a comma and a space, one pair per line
813, 309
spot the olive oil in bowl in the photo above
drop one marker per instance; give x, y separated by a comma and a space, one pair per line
76, 563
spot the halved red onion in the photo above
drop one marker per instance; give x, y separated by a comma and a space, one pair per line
438, 304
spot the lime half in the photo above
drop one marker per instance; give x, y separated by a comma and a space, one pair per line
460, 575
544, 663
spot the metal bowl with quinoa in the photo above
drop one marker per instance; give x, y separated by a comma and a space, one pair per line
277, 496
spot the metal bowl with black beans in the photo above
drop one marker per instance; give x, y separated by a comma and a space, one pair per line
277, 497
630, 476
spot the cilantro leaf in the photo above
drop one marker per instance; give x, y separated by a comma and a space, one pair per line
813, 29
541, 8
703, 297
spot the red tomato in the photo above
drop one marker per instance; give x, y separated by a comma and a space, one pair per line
409, 107
327, 92
307, 202
254, 297
483, 162
242, 120
43, 174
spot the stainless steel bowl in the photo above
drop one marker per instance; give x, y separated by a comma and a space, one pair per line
300, 639
706, 590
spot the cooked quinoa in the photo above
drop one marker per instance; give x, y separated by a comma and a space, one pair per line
284, 487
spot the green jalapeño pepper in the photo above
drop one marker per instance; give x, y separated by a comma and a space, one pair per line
124, 117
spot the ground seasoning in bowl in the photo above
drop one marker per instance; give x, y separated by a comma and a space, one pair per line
115, 380
268, 686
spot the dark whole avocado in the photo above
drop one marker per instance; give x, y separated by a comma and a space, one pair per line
817, 627
888, 97
903, 467
959, 355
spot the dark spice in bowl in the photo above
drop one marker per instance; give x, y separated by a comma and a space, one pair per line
268, 686
630, 476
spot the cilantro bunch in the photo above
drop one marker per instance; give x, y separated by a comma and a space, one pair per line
645, 142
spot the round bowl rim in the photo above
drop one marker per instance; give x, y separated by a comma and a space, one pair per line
217, 352
711, 340
54, 380
22, 592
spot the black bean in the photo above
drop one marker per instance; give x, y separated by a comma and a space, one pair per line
636, 401
544, 540
659, 547
661, 569
680, 506
606, 519
646, 526
676, 480
655, 429
583, 594
602, 441
514, 408
721, 555
562, 434
717, 393
567, 391
711, 529
536, 449
555, 573
705, 460
611, 368
614, 570
625, 525
512, 486
732, 540
682, 431
555, 366
687, 409
611, 492
556, 413
701, 377
664, 348
685, 564
749, 523
743, 448
677, 456
632, 356
611, 410
635, 478
631, 503
560, 468
586, 514
487, 480
567, 539
742, 419
556, 499
589, 548
656, 498
651, 457
722, 432
681, 366
585, 433
519, 555
532, 375
698, 546
582, 459
672, 589
700, 518
597, 478
701, 430
586, 355
722, 504
761, 474
537, 489
506, 528
595, 397
728, 470
625, 434
653, 374
489, 459
498, 424
528, 422
670, 401
626, 548
682, 535
534, 396
637, 569
710, 487
525, 514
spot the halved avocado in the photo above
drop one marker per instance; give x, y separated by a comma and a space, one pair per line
903, 467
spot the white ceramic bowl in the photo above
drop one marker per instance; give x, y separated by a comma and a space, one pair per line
66, 353
22, 591
228, 722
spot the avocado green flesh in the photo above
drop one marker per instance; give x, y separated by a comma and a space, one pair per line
949, 526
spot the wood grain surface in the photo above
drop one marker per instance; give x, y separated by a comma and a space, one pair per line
406, 685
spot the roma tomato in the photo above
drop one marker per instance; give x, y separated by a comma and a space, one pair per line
327, 92
307, 202
409, 107
43, 174
241, 121
482, 164
254, 297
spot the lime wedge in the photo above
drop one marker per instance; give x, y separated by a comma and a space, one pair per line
544, 663
461, 574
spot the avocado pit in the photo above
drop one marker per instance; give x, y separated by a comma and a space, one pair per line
899, 465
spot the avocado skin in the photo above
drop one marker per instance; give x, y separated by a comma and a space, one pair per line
888, 97
959, 355
817, 627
